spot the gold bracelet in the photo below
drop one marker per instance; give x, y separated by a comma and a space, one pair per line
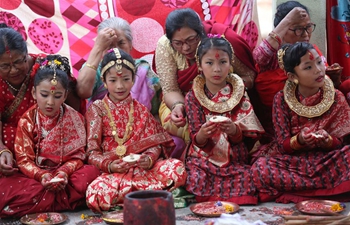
330, 142
150, 162
294, 143
91, 66
175, 104
276, 37
5, 150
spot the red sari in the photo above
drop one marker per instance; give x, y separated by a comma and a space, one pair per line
289, 175
147, 137
47, 145
220, 170
12, 107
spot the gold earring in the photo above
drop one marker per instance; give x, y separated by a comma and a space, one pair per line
105, 85
295, 81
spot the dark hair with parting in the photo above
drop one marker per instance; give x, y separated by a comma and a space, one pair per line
11, 40
111, 56
216, 42
50, 65
293, 53
284, 8
180, 18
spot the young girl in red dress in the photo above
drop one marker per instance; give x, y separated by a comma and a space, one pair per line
217, 161
49, 149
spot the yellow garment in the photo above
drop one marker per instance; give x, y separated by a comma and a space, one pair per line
164, 116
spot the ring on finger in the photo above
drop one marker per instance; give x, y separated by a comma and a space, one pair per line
111, 34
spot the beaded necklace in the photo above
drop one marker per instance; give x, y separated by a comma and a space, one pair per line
121, 148
12, 87
41, 133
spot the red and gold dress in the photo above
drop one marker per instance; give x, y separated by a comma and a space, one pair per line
147, 137
45, 145
288, 174
220, 170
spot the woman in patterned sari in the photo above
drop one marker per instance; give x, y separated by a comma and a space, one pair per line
176, 67
308, 158
120, 127
50, 149
217, 160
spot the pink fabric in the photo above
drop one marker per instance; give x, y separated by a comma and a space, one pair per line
69, 27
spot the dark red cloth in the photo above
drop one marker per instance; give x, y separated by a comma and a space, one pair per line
285, 174
338, 36
23, 195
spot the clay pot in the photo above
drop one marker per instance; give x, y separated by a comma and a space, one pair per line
149, 207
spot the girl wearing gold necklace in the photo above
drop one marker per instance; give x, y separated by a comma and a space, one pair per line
311, 121
125, 141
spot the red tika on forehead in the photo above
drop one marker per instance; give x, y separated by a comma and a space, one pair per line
311, 56
217, 56
8, 51
53, 89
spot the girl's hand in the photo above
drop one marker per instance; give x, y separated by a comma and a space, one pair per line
145, 162
45, 181
306, 138
178, 115
322, 138
58, 186
228, 127
6, 164
208, 129
119, 166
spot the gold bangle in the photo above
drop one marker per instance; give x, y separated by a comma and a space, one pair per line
330, 141
5, 150
91, 66
150, 162
294, 143
175, 104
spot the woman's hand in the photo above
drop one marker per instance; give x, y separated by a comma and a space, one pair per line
178, 115
6, 164
119, 166
105, 39
145, 162
296, 16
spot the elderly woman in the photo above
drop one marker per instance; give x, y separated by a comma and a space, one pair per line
116, 32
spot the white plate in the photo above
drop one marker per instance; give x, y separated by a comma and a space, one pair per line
131, 158
218, 119
56, 180
317, 135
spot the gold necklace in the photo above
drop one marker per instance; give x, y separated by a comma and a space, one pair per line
309, 111
121, 149
12, 87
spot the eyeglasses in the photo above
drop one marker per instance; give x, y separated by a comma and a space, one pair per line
189, 41
5, 68
298, 31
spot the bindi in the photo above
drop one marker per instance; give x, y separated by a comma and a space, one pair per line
311, 56
217, 56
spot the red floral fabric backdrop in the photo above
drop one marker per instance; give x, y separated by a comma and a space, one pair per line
338, 34
69, 27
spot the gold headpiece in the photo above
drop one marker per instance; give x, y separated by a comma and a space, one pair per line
280, 54
118, 63
54, 64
